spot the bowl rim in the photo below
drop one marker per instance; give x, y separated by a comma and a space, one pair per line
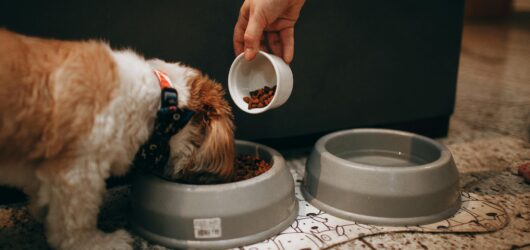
383, 221
233, 89
276, 158
445, 154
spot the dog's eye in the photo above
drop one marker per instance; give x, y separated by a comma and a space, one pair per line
209, 110
205, 118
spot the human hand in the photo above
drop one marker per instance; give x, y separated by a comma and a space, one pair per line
267, 25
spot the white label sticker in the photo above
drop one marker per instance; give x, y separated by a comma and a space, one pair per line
207, 228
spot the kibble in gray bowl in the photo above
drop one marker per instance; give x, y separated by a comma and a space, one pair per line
216, 216
381, 176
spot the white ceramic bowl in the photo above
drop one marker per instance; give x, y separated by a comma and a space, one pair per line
381, 176
264, 70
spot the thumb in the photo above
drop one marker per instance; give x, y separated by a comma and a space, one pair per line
253, 35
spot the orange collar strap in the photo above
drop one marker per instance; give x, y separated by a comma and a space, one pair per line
163, 79
153, 155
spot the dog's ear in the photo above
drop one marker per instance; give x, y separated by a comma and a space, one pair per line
216, 153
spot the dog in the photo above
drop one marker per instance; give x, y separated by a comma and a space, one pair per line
73, 113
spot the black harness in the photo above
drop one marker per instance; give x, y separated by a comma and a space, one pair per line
154, 154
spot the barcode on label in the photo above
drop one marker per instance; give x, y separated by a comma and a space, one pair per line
207, 228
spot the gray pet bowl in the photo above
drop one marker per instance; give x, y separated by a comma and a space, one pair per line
216, 216
383, 177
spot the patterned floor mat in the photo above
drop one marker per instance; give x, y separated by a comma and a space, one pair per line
315, 229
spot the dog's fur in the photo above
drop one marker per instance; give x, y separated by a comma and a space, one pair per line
74, 113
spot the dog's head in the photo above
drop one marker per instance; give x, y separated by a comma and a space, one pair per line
203, 151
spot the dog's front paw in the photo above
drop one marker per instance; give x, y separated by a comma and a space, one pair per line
118, 240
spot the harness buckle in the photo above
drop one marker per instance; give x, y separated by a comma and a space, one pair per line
169, 98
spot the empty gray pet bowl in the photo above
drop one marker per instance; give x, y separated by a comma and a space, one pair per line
383, 177
216, 216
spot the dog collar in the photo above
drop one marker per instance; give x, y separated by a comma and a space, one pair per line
170, 119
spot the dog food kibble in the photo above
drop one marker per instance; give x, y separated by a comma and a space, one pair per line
260, 98
245, 167
248, 166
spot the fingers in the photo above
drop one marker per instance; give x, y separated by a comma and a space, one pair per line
275, 44
253, 35
264, 44
238, 39
255, 18
287, 40
239, 30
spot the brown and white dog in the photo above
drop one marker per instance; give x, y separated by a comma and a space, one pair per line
74, 113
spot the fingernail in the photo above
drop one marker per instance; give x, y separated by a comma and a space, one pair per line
248, 52
288, 58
